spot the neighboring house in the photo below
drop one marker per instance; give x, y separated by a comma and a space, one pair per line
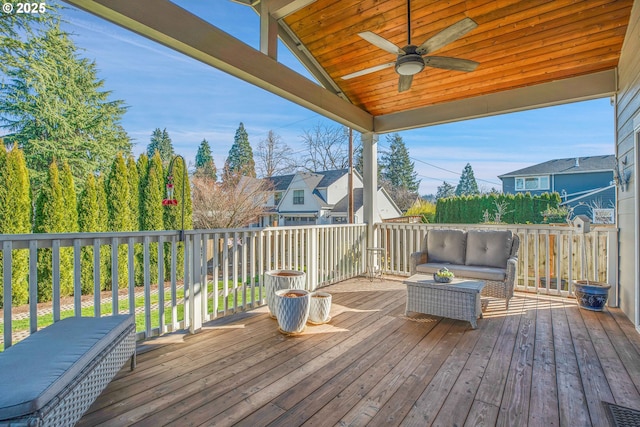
313, 198
585, 184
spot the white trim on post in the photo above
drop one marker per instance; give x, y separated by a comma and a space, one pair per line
370, 181
636, 144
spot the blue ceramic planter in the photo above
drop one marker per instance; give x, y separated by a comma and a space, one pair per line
591, 295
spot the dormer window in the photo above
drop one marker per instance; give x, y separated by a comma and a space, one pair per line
532, 183
298, 197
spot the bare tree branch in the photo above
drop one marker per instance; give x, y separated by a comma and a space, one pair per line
237, 202
273, 157
327, 148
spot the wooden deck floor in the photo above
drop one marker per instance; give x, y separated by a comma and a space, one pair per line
543, 363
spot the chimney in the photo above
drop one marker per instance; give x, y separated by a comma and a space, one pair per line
577, 162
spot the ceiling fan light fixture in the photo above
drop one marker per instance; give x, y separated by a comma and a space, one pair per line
408, 65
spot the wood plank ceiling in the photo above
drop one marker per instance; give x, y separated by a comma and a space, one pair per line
517, 43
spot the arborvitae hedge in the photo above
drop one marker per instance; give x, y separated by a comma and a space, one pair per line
151, 209
518, 209
15, 217
119, 210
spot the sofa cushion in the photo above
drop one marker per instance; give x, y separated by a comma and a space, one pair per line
446, 246
488, 248
466, 271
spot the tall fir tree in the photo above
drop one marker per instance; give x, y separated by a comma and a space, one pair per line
240, 160
119, 209
445, 190
151, 209
467, 186
52, 98
205, 166
134, 197
397, 167
161, 142
15, 218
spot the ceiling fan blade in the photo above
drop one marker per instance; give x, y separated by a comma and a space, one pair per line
368, 70
447, 63
446, 36
382, 43
404, 83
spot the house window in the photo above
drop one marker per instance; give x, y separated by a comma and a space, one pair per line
532, 183
276, 197
298, 197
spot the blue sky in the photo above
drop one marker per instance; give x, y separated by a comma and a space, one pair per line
164, 89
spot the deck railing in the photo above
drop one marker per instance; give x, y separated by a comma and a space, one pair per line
550, 257
172, 284
175, 285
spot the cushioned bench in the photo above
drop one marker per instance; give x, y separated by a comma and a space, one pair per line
488, 255
54, 375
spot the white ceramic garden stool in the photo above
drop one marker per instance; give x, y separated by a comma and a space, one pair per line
319, 308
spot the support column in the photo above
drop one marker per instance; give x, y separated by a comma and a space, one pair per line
268, 31
370, 181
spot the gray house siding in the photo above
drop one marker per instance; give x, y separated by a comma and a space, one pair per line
628, 109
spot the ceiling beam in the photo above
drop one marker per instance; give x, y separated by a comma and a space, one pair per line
581, 88
176, 28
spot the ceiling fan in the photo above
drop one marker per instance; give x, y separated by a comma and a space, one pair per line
411, 59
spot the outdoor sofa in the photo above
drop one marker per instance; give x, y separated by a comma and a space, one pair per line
488, 255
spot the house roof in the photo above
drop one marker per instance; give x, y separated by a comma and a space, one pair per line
567, 166
313, 180
342, 207
530, 54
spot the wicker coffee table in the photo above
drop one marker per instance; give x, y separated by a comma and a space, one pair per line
459, 299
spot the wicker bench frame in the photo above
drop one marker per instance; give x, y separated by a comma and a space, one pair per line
79, 393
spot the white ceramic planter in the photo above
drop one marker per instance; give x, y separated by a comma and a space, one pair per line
292, 310
319, 308
281, 279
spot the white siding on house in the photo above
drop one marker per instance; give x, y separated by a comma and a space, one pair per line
628, 108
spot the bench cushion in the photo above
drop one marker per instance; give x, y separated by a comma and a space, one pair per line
37, 369
446, 246
488, 248
466, 271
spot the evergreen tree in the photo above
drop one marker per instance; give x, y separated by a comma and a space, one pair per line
240, 160
53, 99
205, 166
103, 225
15, 218
69, 200
398, 169
445, 190
143, 169
134, 195
50, 218
151, 212
173, 219
467, 185
161, 142
88, 222
119, 211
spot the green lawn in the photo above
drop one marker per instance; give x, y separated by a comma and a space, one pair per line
123, 307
